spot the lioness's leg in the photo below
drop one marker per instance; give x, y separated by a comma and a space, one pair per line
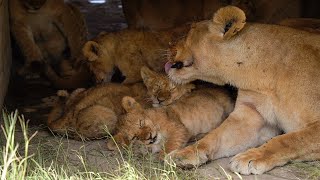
301, 145
243, 129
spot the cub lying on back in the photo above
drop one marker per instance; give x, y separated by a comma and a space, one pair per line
276, 70
85, 113
128, 50
47, 31
170, 127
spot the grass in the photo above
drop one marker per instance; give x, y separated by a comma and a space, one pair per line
309, 170
27, 154
47, 157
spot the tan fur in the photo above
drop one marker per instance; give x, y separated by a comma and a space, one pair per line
168, 128
128, 50
44, 31
276, 69
161, 91
86, 114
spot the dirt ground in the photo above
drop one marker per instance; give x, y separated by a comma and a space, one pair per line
34, 98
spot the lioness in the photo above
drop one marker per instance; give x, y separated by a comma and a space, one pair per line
276, 69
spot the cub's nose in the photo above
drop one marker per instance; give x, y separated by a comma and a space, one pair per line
177, 65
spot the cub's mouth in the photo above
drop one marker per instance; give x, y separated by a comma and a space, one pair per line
176, 65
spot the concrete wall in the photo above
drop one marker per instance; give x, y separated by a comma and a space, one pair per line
5, 50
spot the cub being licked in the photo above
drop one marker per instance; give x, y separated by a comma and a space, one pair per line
161, 91
276, 71
168, 128
86, 113
127, 51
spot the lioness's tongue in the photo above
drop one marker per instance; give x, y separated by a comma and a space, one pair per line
167, 67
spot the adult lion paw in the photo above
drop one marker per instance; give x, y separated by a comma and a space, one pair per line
188, 157
253, 161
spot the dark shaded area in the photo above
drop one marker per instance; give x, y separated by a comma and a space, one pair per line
33, 95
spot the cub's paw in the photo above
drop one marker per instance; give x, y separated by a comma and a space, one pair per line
253, 161
188, 157
111, 145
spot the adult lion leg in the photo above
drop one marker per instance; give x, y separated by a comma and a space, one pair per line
302, 145
243, 129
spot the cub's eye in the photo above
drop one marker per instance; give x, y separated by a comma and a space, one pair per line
133, 138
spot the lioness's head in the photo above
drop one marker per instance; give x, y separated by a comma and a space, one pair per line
33, 5
100, 56
137, 125
189, 58
161, 90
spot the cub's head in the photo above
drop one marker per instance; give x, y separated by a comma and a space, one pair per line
137, 125
199, 55
33, 5
100, 56
161, 90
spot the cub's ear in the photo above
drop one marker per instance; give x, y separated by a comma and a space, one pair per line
129, 104
147, 75
229, 20
91, 50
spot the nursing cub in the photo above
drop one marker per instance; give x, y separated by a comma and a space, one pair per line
168, 128
276, 70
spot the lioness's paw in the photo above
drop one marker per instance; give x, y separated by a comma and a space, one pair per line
188, 157
252, 161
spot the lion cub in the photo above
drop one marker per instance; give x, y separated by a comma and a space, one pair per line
170, 127
127, 51
86, 113
161, 91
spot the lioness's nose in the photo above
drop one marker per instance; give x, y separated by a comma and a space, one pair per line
177, 65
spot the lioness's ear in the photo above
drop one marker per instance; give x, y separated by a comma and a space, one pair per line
91, 50
230, 20
129, 104
147, 75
